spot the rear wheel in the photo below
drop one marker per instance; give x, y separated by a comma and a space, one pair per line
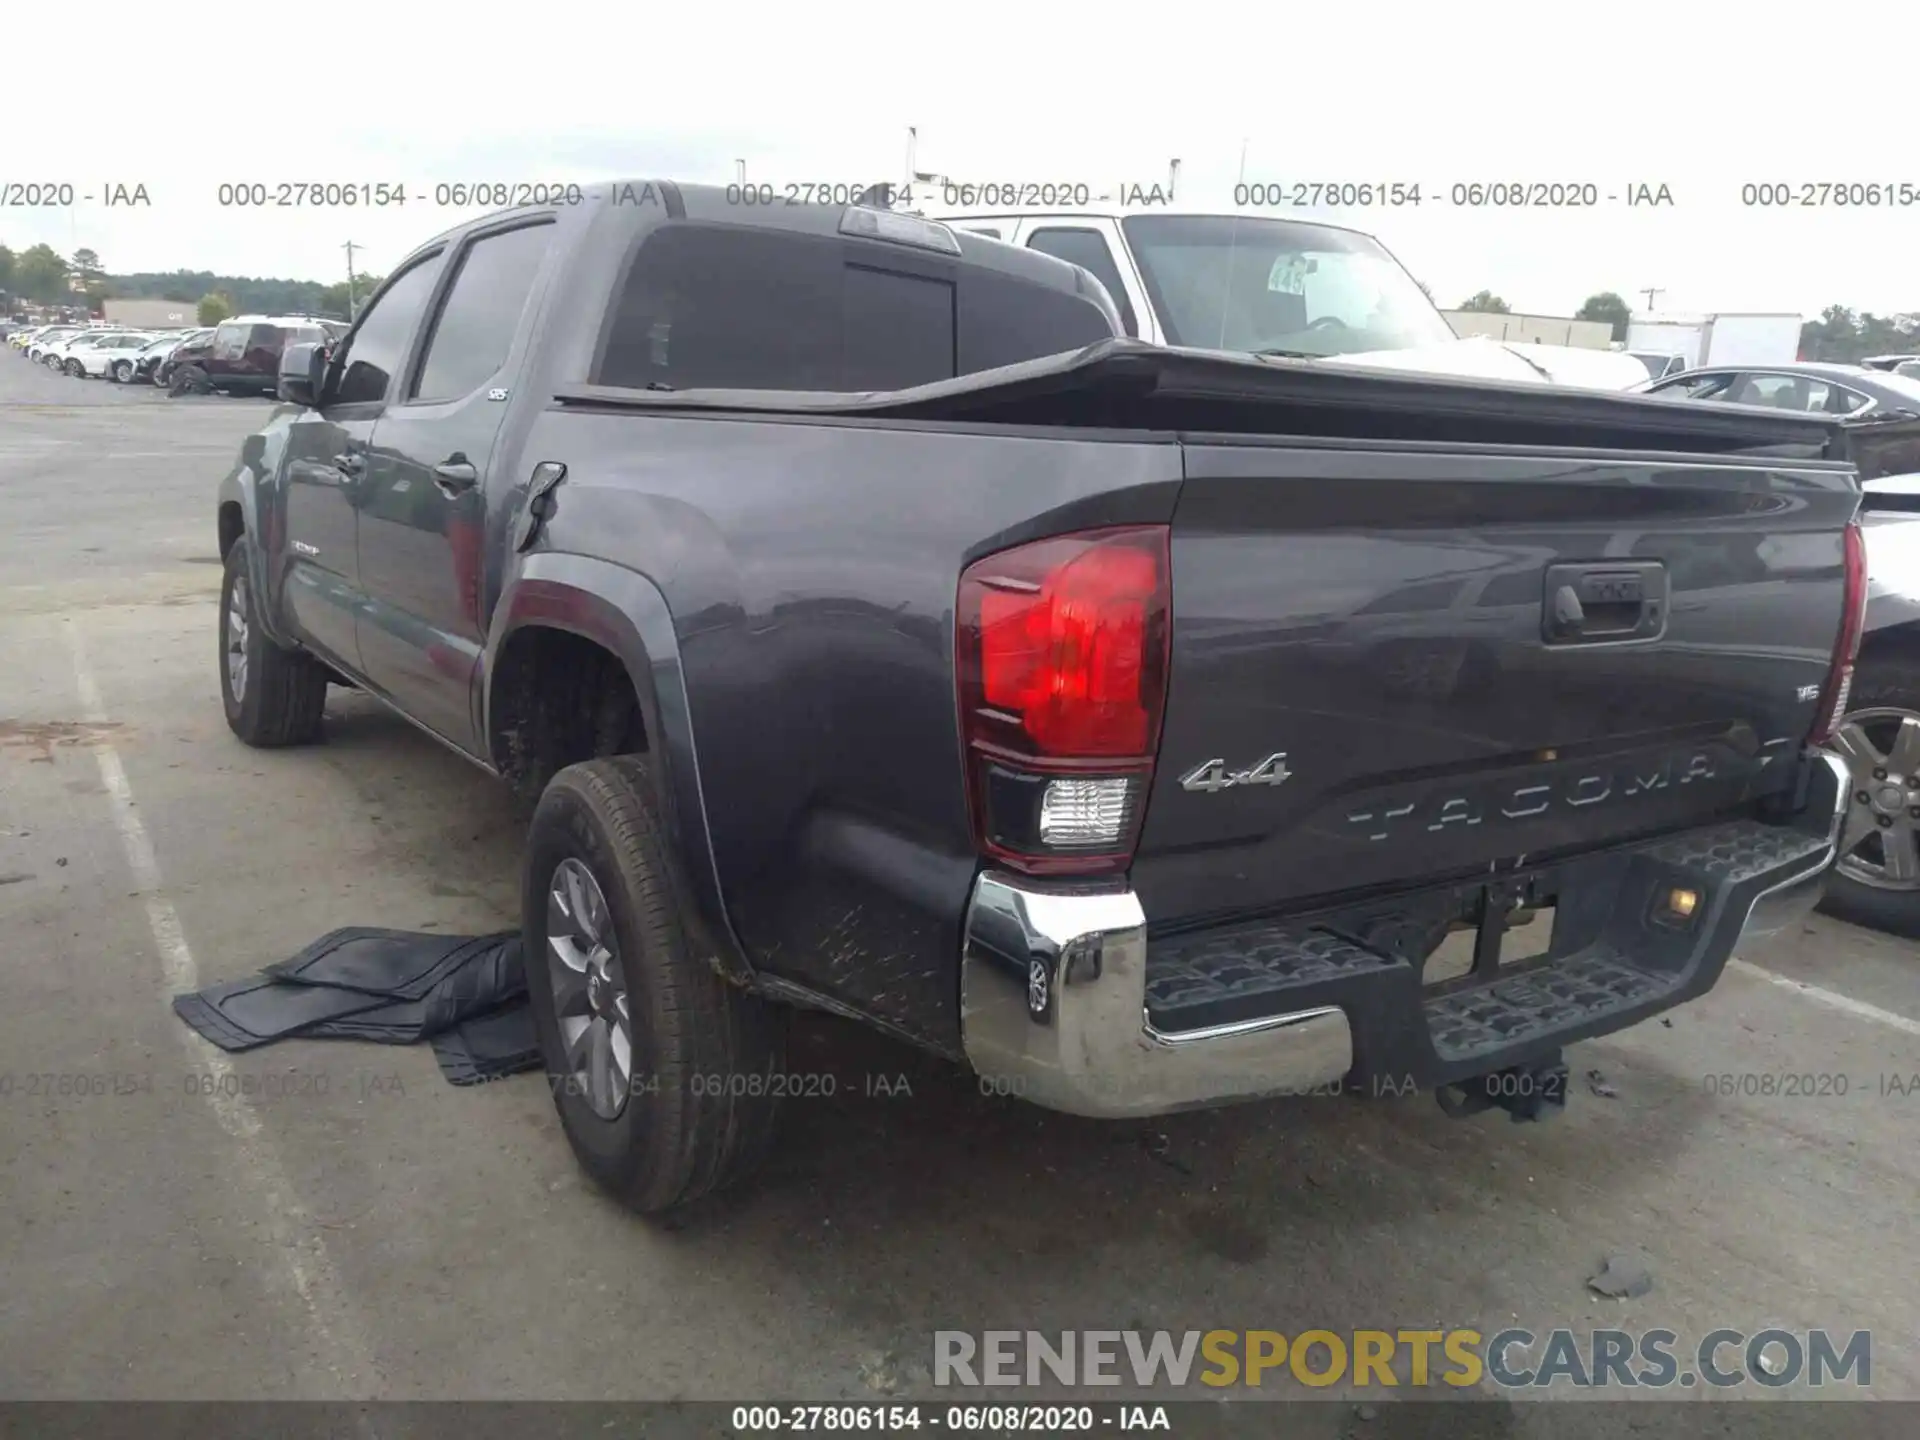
122, 371
76, 369
272, 696
1876, 880
665, 1076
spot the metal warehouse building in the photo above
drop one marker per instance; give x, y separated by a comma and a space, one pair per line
158, 314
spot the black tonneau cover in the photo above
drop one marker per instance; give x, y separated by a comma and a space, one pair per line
1127, 384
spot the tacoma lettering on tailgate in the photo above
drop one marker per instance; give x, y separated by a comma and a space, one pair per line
1467, 803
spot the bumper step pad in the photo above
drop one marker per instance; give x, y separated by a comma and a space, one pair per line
1249, 962
1611, 964
1491, 1018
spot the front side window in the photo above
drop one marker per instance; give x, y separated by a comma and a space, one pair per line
229, 341
1233, 282
378, 348
1700, 387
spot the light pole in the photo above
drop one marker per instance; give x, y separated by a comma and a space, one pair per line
353, 301
1650, 292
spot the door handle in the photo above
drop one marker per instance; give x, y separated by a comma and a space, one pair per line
350, 464
1600, 601
454, 476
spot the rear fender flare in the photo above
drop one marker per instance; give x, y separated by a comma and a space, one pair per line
624, 612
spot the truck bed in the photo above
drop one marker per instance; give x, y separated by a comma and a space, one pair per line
1364, 570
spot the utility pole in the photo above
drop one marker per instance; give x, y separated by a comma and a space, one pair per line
1650, 292
1173, 177
913, 154
353, 301
1243, 163
739, 172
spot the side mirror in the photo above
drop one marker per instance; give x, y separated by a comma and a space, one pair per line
303, 373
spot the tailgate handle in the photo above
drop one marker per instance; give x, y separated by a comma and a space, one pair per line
1585, 603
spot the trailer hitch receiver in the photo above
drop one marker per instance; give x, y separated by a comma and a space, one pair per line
1531, 1091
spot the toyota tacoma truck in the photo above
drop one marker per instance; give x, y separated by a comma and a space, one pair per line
884, 633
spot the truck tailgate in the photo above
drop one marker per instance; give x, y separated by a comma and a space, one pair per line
1465, 661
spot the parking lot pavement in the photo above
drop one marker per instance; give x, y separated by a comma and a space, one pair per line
326, 1219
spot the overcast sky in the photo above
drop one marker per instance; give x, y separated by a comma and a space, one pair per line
1700, 99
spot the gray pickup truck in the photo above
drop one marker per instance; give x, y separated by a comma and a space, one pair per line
1145, 728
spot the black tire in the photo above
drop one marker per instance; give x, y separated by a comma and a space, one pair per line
1891, 682
74, 369
189, 380
283, 693
123, 372
706, 1056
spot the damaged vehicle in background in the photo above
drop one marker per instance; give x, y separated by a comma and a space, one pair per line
1085, 774
146, 364
1287, 289
242, 355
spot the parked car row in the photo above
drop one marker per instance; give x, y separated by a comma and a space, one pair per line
238, 356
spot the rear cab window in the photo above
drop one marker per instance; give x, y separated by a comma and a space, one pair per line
716, 306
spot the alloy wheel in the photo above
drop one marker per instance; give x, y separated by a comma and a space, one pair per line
591, 1006
237, 610
1880, 842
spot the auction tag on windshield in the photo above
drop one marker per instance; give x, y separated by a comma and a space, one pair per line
1288, 275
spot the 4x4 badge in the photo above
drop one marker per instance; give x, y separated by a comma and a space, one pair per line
1212, 775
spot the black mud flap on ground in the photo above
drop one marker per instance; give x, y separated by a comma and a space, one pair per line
467, 994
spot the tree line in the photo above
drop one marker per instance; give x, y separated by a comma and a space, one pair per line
1840, 336
41, 275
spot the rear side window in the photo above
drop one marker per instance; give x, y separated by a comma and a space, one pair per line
707, 306
476, 325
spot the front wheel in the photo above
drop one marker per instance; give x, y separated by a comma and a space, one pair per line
666, 1077
76, 369
272, 696
1876, 880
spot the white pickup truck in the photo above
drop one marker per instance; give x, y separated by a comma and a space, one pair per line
1289, 287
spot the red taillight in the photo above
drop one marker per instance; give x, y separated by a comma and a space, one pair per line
1846, 646
1062, 666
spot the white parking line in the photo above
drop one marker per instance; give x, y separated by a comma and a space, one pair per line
1832, 999
296, 1242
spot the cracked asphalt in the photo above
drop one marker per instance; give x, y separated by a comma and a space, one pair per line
333, 1221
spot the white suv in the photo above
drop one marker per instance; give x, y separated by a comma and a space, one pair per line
66, 355
100, 358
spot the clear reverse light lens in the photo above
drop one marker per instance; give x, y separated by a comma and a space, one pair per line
1076, 814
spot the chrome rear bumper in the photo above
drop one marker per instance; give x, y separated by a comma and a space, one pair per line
1054, 1010
1054, 980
